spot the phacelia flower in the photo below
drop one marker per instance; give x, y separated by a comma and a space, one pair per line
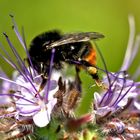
29, 100
25, 102
112, 105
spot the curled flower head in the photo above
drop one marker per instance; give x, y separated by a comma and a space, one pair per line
29, 99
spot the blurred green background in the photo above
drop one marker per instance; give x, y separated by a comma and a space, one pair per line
109, 17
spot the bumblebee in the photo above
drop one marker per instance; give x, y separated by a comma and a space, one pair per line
74, 49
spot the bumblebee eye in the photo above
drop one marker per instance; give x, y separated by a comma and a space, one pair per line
72, 47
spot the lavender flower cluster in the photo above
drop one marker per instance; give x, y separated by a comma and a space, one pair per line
25, 108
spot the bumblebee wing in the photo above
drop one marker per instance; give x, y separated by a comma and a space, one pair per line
76, 37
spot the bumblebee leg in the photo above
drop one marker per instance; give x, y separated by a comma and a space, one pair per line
78, 81
89, 68
77, 69
42, 85
93, 72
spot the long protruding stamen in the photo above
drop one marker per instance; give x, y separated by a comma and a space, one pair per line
20, 62
135, 48
27, 53
18, 97
22, 41
103, 60
125, 94
50, 72
110, 91
121, 90
127, 58
10, 61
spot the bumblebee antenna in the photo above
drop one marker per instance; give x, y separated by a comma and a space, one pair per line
103, 60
